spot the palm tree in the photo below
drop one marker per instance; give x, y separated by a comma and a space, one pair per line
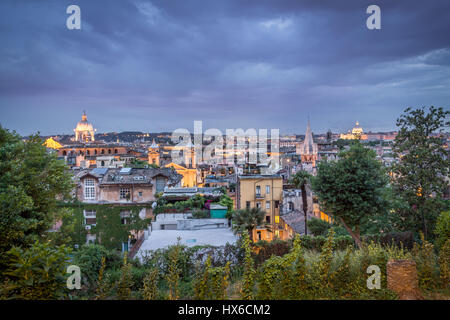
300, 179
248, 219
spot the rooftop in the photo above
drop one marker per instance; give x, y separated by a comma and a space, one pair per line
163, 238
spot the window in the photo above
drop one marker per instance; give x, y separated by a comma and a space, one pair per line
267, 189
89, 189
160, 184
125, 217
258, 205
291, 206
259, 235
90, 217
277, 204
277, 219
140, 193
267, 204
124, 193
268, 219
247, 204
258, 191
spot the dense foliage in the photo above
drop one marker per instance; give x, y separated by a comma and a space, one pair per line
31, 180
352, 188
419, 176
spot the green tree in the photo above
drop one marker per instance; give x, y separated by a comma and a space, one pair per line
31, 181
352, 189
150, 289
442, 230
300, 180
173, 270
248, 278
420, 174
248, 219
226, 201
126, 281
36, 273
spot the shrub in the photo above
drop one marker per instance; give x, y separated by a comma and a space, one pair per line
249, 270
150, 289
173, 271
399, 239
442, 230
425, 259
125, 282
36, 273
89, 259
318, 227
200, 214
212, 283
266, 249
444, 262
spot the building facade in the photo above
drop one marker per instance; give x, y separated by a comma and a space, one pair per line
264, 192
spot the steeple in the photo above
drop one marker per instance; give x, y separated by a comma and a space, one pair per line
308, 149
308, 143
84, 117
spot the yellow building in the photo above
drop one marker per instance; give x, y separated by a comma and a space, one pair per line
265, 192
356, 133
52, 144
153, 154
189, 175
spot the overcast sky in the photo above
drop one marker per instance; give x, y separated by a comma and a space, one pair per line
159, 65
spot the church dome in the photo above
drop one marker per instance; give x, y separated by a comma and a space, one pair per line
84, 130
357, 129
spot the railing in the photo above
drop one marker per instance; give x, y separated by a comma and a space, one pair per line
136, 247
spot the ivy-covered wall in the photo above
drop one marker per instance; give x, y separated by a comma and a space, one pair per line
109, 230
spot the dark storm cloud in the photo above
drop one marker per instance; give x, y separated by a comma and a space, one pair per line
159, 65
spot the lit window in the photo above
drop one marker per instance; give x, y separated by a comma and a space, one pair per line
89, 189
124, 193
277, 219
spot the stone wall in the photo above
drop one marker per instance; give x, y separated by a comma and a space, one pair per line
402, 279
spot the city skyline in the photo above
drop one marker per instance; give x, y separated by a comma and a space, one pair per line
158, 66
